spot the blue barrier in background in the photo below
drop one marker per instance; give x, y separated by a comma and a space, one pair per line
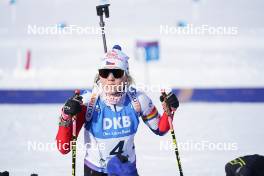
186, 95
222, 95
34, 96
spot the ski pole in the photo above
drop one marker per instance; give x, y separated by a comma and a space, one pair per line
171, 114
74, 138
101, 11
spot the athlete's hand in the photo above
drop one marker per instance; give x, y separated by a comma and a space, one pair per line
73, 105
169, 101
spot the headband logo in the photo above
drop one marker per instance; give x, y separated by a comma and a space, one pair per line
109, 63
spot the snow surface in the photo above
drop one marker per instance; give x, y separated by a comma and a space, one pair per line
235, 124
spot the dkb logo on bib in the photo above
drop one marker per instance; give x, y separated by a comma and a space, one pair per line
116, 122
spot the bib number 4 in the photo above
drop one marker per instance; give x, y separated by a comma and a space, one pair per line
118, 149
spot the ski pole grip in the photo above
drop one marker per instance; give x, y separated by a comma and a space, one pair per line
76, 94
103, 10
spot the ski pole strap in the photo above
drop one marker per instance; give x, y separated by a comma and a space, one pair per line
91, 105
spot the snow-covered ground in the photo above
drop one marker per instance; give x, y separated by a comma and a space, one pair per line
236, 129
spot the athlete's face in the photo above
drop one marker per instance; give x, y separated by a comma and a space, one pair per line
112, 80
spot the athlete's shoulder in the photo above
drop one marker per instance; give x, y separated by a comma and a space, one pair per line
145, 102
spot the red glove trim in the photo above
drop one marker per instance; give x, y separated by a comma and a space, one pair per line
164, 125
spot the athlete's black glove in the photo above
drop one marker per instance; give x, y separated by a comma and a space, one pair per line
171, 100
73, 105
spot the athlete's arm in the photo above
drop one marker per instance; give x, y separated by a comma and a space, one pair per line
64, 134
157, 123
